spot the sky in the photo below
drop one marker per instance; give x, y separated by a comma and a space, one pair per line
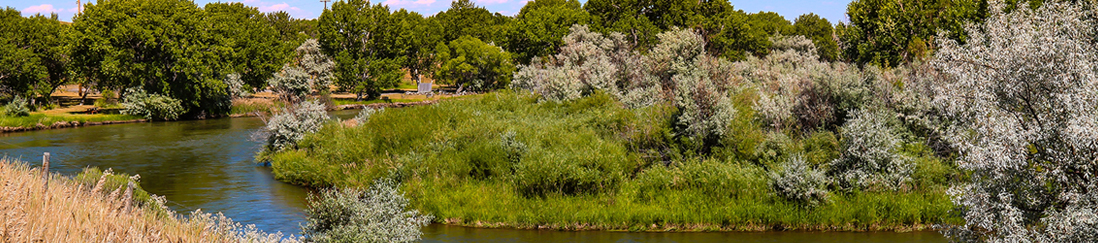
833, 10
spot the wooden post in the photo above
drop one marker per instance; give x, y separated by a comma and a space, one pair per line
45, 171
128, 197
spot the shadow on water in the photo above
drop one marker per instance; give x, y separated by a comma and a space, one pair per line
208, 165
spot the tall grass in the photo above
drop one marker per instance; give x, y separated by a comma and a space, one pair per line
71, 212
507, 160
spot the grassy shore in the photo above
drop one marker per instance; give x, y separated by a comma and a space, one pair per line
58, 118
71, 211
506, 160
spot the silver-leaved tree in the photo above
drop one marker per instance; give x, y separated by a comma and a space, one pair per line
1022, 94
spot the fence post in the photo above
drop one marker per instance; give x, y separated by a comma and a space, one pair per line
45, 171
128, 197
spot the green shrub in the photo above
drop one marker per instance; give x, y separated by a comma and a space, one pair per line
90, 177
151, 106
107, 99
799, 182
19, 106
378, 214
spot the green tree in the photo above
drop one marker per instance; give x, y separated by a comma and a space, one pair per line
820, 31
465, 18
540, 27
889, 33
255, 47
469, 62
162, 46
732, 36
363, 41
34, 54
418, 39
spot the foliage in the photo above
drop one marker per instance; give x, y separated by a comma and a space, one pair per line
34, 54
292, 84
587, 163
464, 18
822, 34
151, 106
18, 106
419, 40
90, 177
871, 158
290, 126
472, 63
362, 39
1022, 100
313, 62
364, 115
800, 183
375, 215
539, 28
254, 49
890, 33
163, 46
235, 86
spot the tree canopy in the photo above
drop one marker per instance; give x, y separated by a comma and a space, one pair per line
364, 41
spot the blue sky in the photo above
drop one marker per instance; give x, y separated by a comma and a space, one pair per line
833, 10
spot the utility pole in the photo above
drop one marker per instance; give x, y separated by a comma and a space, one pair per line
325, 3
79, 7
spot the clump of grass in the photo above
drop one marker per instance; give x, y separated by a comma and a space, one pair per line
69, 211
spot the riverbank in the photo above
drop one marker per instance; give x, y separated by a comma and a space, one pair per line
506, 160
70, 211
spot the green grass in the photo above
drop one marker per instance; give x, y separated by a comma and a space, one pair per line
367, 102
592, 164
36, 118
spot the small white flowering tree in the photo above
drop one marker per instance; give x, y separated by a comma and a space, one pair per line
1023, 99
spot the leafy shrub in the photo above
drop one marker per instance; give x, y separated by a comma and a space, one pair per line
871, 158
292, 83
572, 169
90, 177
106, 99
365, 114
235, 86
471, 63
151, 106
1023, 99
378, 214
514, 148
19, 106
799, 182
290, 126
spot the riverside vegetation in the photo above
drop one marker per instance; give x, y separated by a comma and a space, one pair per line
606, 136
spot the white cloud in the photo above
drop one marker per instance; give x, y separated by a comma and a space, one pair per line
44, 9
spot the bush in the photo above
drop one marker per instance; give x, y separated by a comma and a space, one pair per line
1024, 107
151, 106
364, 115
290, 126
106, 99
871, 158
292, 83
235, 86
375, 215
19, 106
799, 182
473, 64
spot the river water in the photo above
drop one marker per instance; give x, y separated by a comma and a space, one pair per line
208, 165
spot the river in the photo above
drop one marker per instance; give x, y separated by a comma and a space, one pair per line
208, 165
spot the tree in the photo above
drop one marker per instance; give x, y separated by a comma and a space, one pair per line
1023, 98
890, 33
468, 61
465, 18
363, 41
34, 52
418, 37
162, 46
732, 36
254, 47
540, 27
820, 31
